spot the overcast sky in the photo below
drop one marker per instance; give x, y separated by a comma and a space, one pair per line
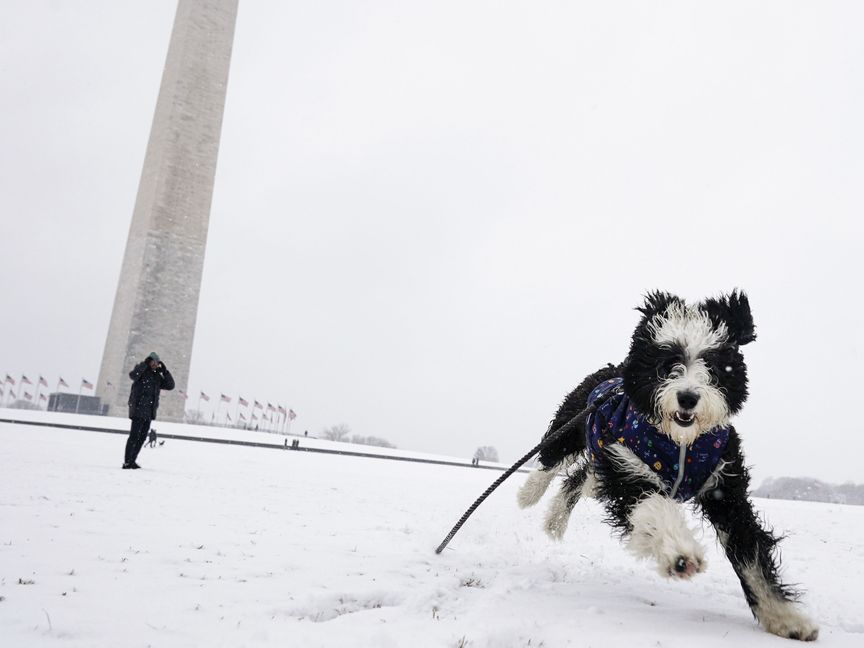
432, 220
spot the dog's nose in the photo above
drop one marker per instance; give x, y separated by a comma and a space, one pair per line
688, 399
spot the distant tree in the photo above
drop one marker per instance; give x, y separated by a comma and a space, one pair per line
371, 441
23, 404
486, 453
195, 417
337, 432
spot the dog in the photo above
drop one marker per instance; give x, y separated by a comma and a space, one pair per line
658, 436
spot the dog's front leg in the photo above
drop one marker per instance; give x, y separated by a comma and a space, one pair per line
649, 520
751, 549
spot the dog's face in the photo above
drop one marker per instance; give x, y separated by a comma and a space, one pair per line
684, 370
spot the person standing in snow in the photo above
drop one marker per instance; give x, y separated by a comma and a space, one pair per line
148, 379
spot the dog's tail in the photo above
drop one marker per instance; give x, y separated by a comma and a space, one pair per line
532, 490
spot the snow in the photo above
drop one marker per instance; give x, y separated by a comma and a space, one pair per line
215, 432
233, 546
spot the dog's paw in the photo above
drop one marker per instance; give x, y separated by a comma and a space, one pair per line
532, 490
784, 619
684, 566
558, 516
661, 533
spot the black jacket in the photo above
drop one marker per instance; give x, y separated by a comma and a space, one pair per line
146, 385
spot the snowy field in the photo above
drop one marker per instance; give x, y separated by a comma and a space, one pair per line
214, 545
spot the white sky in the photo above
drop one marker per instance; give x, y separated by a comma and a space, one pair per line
431, 220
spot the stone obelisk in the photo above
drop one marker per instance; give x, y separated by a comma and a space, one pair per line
156, 304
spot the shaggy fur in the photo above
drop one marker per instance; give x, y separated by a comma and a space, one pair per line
686, 376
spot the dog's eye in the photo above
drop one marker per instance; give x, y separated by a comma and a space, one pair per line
669, 366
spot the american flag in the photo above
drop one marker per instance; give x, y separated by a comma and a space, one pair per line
242, 401
183, 393
108, 383
86, 384
269, 407
42, 397
254, 418
62, 383
28, 396
9, 379
225, 399
11, 393
281, 410
25, 380
43, 382
257, 404
291, 414
205, 396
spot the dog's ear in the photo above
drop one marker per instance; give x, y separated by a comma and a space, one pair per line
657, 302
734, 311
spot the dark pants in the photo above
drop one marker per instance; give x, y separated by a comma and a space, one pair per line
137, 437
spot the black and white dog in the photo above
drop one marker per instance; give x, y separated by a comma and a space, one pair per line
659, 436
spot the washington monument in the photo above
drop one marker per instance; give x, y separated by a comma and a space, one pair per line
156, 304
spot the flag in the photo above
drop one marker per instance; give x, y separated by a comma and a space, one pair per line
242, 418
43, 382
42, 397
183, 394
291, 414
205, 396
281, 410
9, 379
257, 404
25, 380
269, 407
225, 399
62, 383
11, 393
28, 396
242, 401
86, 384
254, 418
108, 383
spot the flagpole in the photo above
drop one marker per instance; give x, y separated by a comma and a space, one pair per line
78, 402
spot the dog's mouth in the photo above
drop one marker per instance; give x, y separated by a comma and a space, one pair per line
684, 419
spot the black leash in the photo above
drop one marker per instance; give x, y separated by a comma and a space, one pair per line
552, 438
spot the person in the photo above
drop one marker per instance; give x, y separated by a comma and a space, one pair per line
148, 379
152, 438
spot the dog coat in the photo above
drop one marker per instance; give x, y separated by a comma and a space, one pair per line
683, 470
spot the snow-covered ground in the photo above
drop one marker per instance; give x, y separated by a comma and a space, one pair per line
214, 432
214, 545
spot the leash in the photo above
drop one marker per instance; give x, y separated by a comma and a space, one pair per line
549, 440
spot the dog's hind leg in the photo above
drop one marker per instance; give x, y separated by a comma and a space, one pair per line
752, 549
535, 486
576, 485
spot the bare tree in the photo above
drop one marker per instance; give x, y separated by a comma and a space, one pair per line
371, 441
338, 432
486, 453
